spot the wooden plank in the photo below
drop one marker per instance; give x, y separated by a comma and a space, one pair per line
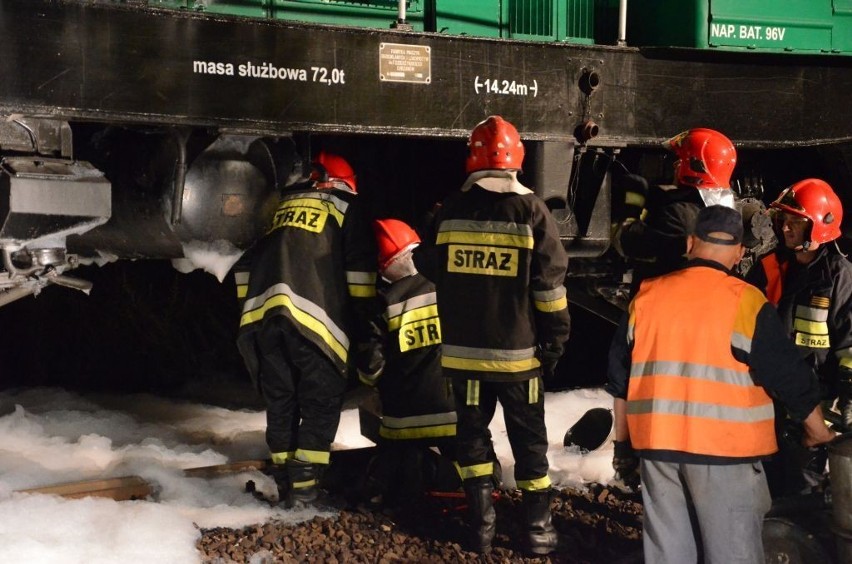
134, 487
119, 489
229, 468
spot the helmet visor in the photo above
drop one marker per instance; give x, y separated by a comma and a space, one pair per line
787, 200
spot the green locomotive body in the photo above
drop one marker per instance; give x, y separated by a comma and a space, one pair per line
788, 26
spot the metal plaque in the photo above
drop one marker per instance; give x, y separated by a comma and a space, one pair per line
405, 63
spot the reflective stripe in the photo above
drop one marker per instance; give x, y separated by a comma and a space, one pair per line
812, 313
503, 233
488, 354
305, 484
419, 420
489, 365
413, 314
704, 410
532, 392
488, 360
741, 342
418, 314
313, 456
534, 485
550, 307
359, 291
396, 309
472, 393
822, 302
418, 432
844, 357
242, 280
697, 371
477, 470
369, 379
361, 284
303, 311
813, 327
550, 300
634, 199
281, 457
419, 426
549, 295
358, 277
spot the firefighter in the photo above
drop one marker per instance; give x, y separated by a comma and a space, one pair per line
309, 291
691, 367
418, 410
499, 267
810, 283
655, 242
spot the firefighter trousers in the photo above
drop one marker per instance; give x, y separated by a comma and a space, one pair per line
523, 413
303, 391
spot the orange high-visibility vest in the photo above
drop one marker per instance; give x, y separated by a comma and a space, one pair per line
686, 391
775, 272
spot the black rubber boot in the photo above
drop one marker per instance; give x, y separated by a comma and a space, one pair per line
540, 531
380, 474
282, 480
482, 518
304, 486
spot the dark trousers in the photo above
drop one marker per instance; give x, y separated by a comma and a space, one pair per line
524, 425
301, 386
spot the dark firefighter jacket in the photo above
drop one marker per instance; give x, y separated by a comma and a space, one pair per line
814, 302
499, 267
315, 267
656, 243
416, 401
695, 358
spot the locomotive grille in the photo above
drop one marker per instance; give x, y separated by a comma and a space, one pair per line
533, 19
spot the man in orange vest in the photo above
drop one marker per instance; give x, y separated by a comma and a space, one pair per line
691, 369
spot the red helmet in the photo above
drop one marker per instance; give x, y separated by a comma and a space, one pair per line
329, 167
814, 199
494, 144
706, 158
393, 237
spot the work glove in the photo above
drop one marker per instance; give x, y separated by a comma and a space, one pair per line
635, 191
549, 355
629, 194
625, 462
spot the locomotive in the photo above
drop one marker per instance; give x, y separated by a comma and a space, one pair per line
166, 128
